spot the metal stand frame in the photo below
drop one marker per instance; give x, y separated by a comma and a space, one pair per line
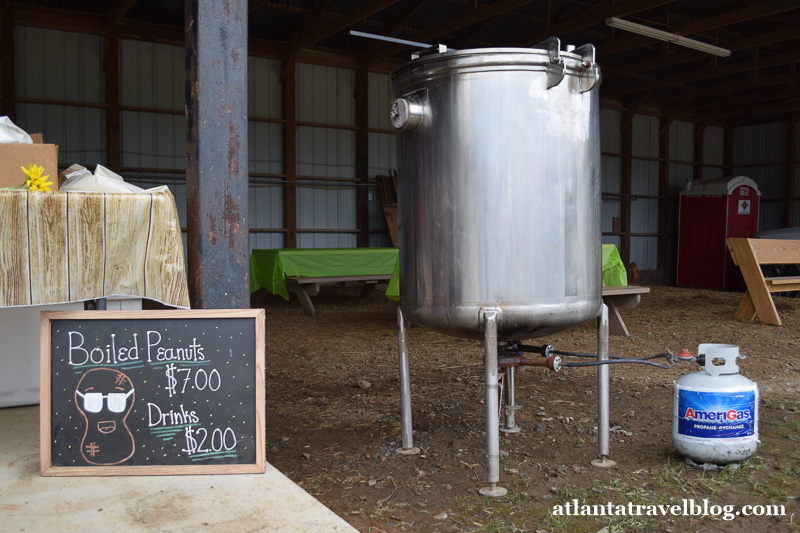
510, 406
407, 431
490, 319
492, 406
602, 392
509, 403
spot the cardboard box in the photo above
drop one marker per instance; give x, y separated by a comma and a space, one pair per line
15, 155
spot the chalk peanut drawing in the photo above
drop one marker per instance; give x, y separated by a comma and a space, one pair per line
104, 397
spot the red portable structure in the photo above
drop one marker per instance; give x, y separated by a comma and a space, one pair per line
711, 211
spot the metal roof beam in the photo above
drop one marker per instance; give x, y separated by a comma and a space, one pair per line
304, 36
346, 21
732, 86
703, 73
407, 9
786, 105
301, 31
589, 19
684, 56
120, 9
482, 13
670, 117
632, 109
749, 98
470, 33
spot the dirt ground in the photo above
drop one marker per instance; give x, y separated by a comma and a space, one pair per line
333, 421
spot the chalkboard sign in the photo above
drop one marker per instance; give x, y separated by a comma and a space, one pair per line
152, 392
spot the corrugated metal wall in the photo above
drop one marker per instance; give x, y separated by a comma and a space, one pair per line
324, 96
265, 152
382, 151
65, 69
681, 169
713, 147
644, 189
796, 204
611, 173
761, 153
152, 123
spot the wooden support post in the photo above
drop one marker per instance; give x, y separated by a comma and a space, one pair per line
697, 153
111, 65
362, 156
663, 200
290, 158
627, 149
7, 58
727, 152
791, 189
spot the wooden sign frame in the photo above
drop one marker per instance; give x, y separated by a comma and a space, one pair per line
46, 405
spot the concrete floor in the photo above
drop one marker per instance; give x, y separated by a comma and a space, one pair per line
267, 502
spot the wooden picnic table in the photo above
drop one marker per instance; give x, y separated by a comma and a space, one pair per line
304, 270
749, 255
625, 296
615, 295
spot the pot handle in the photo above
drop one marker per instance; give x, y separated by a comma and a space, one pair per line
555, 67
407, 113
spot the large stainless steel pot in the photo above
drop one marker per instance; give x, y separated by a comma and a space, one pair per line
499, 190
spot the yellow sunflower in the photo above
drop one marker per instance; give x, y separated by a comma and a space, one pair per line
36, 182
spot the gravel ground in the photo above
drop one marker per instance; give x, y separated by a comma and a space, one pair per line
333, 421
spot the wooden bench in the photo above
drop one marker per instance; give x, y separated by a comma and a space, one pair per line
749, 255
306, 287
616, 297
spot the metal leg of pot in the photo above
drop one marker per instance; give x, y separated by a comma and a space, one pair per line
510, 403
602, 392
492, 404
408, 447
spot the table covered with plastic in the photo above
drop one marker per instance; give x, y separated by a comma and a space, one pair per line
614, 274
269, 268
60, 246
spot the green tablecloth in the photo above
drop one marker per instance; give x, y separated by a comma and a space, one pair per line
269, 268
614, 273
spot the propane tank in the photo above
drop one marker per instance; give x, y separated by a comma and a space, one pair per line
715, 410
